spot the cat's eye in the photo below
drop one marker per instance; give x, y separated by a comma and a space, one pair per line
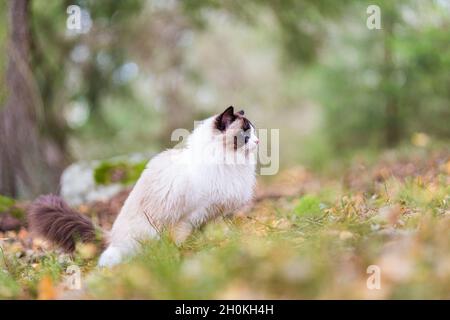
246, 139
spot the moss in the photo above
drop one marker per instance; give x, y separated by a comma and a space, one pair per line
309, 206
118, 172
8, 205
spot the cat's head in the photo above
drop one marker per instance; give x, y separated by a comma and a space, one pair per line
235, 130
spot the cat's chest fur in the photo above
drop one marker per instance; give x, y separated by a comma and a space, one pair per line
224, 186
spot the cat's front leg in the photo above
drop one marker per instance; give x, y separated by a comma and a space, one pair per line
181, 231
125, 242
120, 249
184, 227
110, 257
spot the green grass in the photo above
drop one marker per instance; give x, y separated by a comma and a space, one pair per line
314, 246
324, 255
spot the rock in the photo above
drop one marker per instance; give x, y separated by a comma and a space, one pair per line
79, 187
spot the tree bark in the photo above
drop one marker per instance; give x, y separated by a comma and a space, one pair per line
392, 113
27, 168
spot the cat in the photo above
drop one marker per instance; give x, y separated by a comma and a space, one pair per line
180, 190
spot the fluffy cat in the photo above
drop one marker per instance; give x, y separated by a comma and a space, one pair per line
180, 190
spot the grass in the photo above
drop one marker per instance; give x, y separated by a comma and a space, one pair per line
316, 245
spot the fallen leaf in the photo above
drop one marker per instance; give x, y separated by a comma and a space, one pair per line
87, 250
345, 235
390, 214
23, 234
46, 290
420, 139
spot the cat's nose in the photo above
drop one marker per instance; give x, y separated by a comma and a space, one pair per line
257, 141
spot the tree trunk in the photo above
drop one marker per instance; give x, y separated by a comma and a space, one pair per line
29, 165
393, 123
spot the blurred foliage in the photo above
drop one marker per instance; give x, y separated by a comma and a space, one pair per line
300, 25
141, 69
395, 83
68, 66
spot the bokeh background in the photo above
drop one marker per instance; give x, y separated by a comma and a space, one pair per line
139, 69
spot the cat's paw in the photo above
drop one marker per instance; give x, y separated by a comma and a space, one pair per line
110, 257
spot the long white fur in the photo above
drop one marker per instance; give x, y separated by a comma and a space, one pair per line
181, 189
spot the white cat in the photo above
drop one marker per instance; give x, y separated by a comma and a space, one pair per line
180, 189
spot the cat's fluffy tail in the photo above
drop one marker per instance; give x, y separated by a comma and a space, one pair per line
50, 217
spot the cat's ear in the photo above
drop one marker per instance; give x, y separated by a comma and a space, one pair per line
224, 119
241, 112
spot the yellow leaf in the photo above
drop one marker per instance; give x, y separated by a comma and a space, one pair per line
345, 235
420, 139
87, 250
46, 290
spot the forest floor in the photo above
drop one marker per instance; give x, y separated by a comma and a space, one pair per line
308, 235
